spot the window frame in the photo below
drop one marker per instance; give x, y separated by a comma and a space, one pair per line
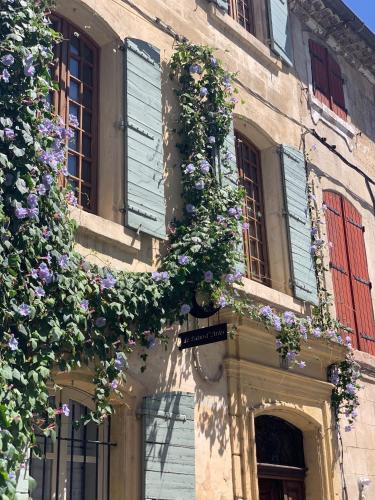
258, 191
330, 72
61, 100
233, 11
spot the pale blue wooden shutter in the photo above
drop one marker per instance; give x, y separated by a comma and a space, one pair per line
222, 4
144, 181
169, 449
280, 30
299, 224
229, 177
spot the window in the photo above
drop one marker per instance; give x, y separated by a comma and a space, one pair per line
328, 84
242, 12
280, 459
248, 162
76, 71
76, 465
348, 263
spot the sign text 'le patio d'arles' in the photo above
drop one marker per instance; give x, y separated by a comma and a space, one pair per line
203, 336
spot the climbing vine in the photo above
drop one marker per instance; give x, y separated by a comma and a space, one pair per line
57, 311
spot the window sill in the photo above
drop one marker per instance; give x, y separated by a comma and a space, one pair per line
254, 46
321, 112
106, 230
273, 297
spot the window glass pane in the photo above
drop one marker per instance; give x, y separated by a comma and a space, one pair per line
74, 67
86, 171
87, 97
87, 74
74, 141
74, 45
87, 53
86, 146
73, 165
74, 90
87, 121
74, 110
86, 197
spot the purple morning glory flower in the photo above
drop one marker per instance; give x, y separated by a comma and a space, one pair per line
276, 322
204, 166
183, 260
208, 276
40, 292
21, 213
199, 185
266, 312
5, 75
335, 378
291, 355
227, 80
71, 198
7, 60
119, 361
348, 428
317, 332
32, 200
63, 261
190, 208
220, 219
238, 275
41, 189
100, 322
114, 384
24, 309
164, 275
13, 343
12, 475
65, 410
289, 318
155, 276
350, 388
278, 344
203, 91
229, 278
9, 133
33, 212
185, 309
84, 305
211, 139
234, 100
73, 121
195, 68
232, 211
29, 70
44, 273
303, 331
189, 169
222, 302
108, 282
245, 226
213, 61
301, 364
47, 180
46, 233
230, 156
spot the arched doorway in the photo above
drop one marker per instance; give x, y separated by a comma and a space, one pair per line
280, 459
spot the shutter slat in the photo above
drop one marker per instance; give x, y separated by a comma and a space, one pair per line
361, 288
339, 262
169, 449
280, 30
299, 224
144, 186
336, 88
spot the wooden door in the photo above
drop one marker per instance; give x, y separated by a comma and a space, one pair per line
293, 490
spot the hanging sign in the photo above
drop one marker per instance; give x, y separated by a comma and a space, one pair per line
203, 336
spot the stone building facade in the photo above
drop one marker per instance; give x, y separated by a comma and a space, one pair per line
199, 423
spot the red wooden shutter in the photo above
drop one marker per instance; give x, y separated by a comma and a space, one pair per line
336, 88
361, 286
319, 67
339, 263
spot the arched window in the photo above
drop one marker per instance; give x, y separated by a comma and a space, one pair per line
280, 459
76, 101
76, 465
348, 263
250, 173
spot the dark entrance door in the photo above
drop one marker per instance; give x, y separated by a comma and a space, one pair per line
280, 457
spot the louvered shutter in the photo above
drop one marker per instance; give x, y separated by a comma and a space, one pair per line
339, 263
299, 224
144, 185
222, 4
319, 68
280, 30
336, 88
359, 277
229, 177
169, 449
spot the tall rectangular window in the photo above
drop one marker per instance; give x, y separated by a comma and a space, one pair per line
250, 174
348, 263
327, 79
242, 12
76, 101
